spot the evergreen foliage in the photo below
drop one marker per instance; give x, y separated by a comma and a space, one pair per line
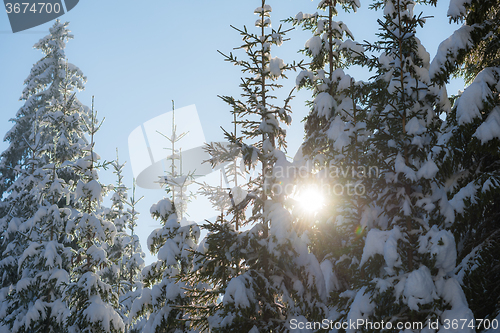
264, 272
36, 171
335, 150
52, 80
469, 143
164, 292
375, 272
92, 302
483, 17
409, 177
125, 255
36, 301
405, 108
164, 297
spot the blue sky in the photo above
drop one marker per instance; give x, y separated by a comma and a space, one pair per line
139, 55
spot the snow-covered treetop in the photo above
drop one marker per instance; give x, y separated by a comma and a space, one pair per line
56, 40
54, 66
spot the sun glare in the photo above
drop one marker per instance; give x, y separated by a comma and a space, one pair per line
310, 199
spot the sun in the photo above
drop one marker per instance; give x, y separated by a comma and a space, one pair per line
310, 199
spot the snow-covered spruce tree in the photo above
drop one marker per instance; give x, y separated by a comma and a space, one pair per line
163, 296
92, 303
132, 270
265, 272
336, 147
469, 147
409, 256
125, 256
331, 49
49, 130
112, 273
36, 303
162, 302
52, 77
51, 85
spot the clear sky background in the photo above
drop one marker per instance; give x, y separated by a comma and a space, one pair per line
140, 55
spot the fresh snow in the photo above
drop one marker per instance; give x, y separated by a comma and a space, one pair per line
419, 288
490, 129
361, 308
275, 66
385, 244
441, 245
456, 8
323, 104
428, 170
448, 49
470, 103
238, 293
314, 44
104, 314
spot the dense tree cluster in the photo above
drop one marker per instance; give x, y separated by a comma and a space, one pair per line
406, 179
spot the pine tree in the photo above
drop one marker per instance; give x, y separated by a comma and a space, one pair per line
469, 147
164, 292
51, 78
132, 267
117, 213
50, 98
92, 302
334, 155
264, 272
125, 255
409, 255
49, 130
161, 305
212, 266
